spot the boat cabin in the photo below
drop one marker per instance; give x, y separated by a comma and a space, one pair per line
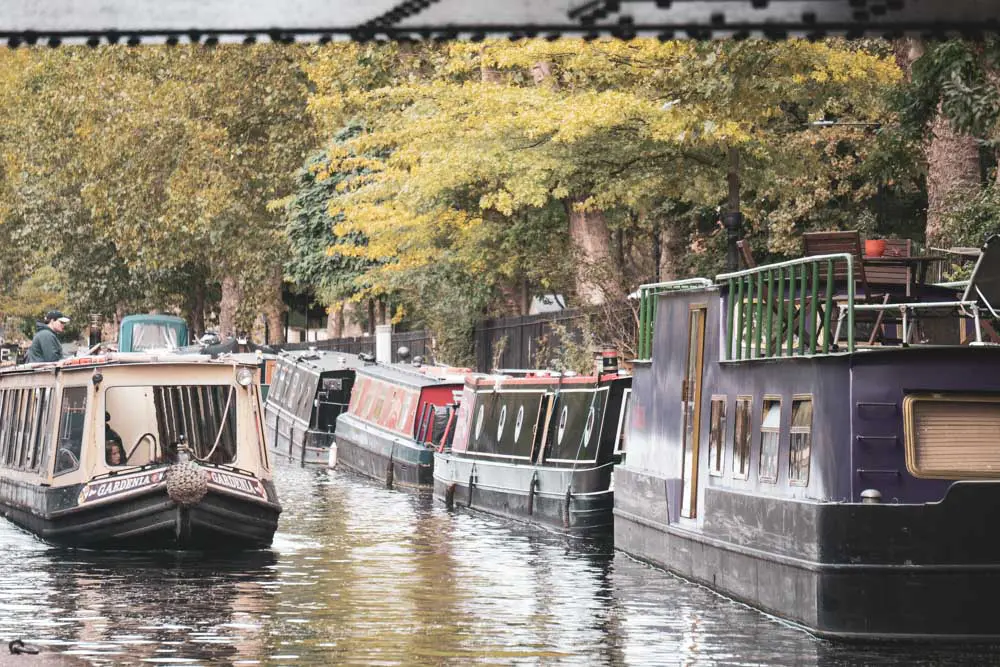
826, 432
310, 389
136, 450
397, 416
139, 333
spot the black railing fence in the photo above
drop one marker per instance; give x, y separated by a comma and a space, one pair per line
417, 342
532, 341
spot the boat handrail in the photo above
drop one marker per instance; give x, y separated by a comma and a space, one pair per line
967, 308
647, 308
761, 322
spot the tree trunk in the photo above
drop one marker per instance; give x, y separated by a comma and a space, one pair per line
274, 308
371, 317
335, 320
671, 250
195, 306
591, 239
952, 157
227, 307
351, 321
952, 174
382, 317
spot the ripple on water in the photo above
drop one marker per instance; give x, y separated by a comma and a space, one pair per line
361, 575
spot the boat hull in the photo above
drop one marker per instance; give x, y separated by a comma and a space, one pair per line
840, 570
313, 448
381, 455
154, 521
575, 501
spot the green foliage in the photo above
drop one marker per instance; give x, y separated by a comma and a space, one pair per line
136, 171
315, 258
960, 78
970, 221
474, 144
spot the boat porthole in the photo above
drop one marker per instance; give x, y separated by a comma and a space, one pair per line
517, 424
479, 422
562, 424
590, 427
503, 420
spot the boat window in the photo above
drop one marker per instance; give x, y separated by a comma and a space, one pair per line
71, 418
41, 444
770, 432
741, 438
152, 421
12, 428
153, 337
623, 421
800, 444
7, 421
30, 430
404, 412
204, 414
717, 436
307, 399
21, 420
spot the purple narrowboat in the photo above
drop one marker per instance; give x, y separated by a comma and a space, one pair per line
826, 452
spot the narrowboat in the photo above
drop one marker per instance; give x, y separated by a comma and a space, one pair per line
309, 390
136, 451
397, 416
537, 447
820, 451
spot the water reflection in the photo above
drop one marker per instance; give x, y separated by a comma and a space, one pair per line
361, 575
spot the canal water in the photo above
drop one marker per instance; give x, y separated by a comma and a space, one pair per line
359, 575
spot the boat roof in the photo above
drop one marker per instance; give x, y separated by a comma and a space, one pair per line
157, 319
130, 358
416, 376
509, 377
321, 361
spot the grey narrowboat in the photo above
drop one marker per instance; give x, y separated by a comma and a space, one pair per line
537, 447
821, 451
136, 451
309, 390
398, 414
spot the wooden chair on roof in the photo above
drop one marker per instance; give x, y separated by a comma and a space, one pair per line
746, 254
848, 242
830, 243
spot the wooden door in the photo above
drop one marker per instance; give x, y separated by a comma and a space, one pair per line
691, 409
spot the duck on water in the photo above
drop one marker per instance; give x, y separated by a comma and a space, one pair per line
136, 450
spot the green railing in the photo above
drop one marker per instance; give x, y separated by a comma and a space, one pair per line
647, 309
785, 309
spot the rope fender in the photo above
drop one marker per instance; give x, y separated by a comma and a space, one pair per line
187, 483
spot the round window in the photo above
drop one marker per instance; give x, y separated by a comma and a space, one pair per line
518, 423
503, 420
479, 422
562, 424
590, 426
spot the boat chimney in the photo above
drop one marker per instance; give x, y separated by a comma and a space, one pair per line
871, 497
606, 361
383, 343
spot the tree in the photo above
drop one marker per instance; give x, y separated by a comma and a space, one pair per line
166, 157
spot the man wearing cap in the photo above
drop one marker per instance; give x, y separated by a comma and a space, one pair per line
45, 346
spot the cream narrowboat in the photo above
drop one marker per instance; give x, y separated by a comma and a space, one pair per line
133, 450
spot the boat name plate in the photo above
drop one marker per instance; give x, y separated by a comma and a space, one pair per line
232, 482
118, 486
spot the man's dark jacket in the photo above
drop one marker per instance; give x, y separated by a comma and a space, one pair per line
45, 346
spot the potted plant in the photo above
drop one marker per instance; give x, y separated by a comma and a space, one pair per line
874, 246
